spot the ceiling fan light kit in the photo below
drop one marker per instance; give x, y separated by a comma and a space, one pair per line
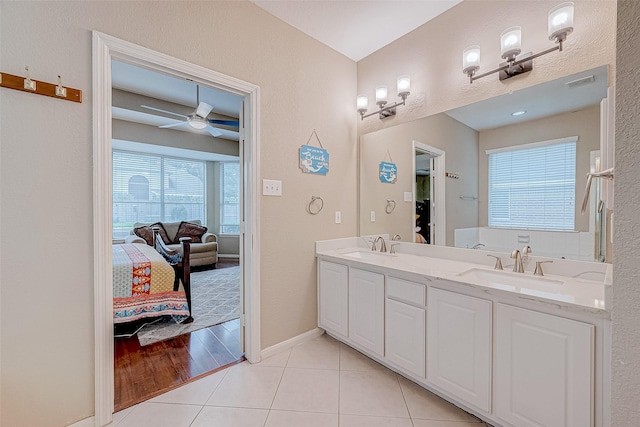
198, 119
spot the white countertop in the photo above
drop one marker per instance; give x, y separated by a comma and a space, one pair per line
585, 286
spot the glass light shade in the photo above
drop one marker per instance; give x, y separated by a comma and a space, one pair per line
197, 122
362, 103
471, 59
511, 42
381, 95
560, 21
404, 86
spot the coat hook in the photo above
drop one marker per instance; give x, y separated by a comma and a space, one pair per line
61, 90
28, 83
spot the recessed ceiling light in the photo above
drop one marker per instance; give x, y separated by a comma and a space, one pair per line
518, 113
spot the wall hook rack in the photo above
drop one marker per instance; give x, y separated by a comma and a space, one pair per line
27, 84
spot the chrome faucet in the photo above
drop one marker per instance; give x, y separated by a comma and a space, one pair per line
383, 246
517, 266
477, 246
397, 237
526, 250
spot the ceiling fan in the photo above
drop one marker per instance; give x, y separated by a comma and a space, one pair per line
198, 119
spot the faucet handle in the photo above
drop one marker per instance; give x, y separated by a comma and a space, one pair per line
392, 249
538, 271
498, 265
526, 250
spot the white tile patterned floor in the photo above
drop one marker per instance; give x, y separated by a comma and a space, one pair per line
320, 383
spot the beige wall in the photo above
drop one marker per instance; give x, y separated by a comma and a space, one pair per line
625, 381
584, 123
460, 144
46, 323
432, 54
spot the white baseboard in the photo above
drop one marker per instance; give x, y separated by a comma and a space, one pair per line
290, 343
87, 422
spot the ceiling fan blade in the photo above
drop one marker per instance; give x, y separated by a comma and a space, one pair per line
164, 111
203, 109
235, 123
173, 125
213, 131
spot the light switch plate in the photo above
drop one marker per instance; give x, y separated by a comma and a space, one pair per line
338, 217
271, 187
408, 196
373, 216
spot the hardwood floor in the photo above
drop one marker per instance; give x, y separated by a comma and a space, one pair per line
141, 373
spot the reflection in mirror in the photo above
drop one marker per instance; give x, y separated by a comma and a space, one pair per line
553, 129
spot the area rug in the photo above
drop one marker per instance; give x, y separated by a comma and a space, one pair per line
215, 298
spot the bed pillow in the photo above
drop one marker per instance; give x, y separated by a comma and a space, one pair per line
146, 232
189, 229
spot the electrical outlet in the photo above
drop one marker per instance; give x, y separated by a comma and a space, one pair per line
271, 187
338, 217
373, 216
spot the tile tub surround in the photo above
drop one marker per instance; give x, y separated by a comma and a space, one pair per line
585, 289
284, 391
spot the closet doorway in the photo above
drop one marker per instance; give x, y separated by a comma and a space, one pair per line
106, 49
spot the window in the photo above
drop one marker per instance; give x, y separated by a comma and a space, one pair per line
149, 188
533, 185
230, 198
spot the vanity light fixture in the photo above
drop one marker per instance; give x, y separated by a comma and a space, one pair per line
560, 25
404, 89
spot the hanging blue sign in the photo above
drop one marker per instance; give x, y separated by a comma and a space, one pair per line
314, 160
388, 173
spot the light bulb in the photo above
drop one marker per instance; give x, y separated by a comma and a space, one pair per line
404, 86
510, 42
381, 95
362, 104
471, 60
560, 22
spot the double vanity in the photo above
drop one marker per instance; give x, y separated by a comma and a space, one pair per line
514, 349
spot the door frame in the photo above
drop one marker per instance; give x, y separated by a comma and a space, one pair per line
106, 48
439, 232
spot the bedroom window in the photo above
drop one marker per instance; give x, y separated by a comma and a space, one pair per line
533, 185
230, 200
149, 188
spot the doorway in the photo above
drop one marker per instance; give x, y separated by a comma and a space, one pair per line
429, 194
105, 49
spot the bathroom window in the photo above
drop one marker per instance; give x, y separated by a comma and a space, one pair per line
533, 185
230, 200
149, 188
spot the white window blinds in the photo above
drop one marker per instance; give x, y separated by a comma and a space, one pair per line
230, 200
533, 185
149, 188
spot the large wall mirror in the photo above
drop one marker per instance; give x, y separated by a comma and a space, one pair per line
496, 175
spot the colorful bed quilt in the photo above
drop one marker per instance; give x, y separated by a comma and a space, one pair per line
143, 285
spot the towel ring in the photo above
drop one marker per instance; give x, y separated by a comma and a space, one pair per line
313, 208
391, 205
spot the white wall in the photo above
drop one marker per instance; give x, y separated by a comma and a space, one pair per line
46, 319
625, 381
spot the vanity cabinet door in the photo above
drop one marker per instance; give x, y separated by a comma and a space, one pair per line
543, 369
459, 346
366, 309
333, 297
405, 336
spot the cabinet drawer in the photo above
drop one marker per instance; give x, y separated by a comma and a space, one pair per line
405, 291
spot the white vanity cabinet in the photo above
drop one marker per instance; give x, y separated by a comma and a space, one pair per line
544, 368
405, 325
459, 346
366, 309
333, 294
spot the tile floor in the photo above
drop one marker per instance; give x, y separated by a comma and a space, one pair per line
320, 383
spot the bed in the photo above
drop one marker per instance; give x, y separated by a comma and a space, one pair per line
146, 282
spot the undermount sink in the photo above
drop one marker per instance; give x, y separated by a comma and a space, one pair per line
368, 255
503, 279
